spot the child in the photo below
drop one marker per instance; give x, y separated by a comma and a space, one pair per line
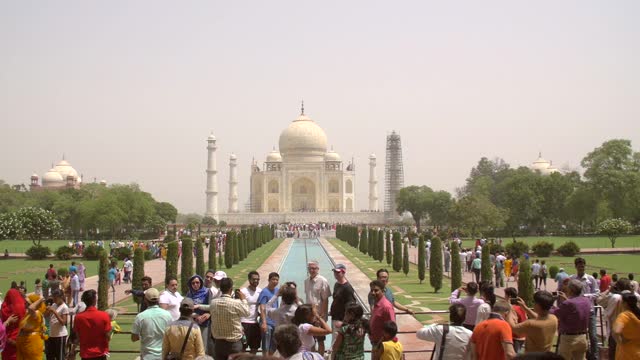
390, 348
115, 328
304, 317
349, 344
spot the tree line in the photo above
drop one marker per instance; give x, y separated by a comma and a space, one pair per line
499, 200
93, 211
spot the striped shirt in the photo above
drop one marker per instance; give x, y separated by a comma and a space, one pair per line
227, 312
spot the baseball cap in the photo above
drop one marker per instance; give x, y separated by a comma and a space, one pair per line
340, 267
219, 275
152, 294
187, 303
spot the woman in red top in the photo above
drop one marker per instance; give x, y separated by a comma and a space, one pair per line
13, 304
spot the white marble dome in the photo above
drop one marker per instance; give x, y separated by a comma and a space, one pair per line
303, 138
332, 156
52, 178
540, 164
65, 169
274, 156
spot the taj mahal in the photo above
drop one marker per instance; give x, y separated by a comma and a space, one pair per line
301, 181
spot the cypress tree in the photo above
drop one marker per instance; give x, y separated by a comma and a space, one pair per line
397, 251
171, 266
421, 258
380, 245
243, 244
389, 249
186, 270
236, 248
435, 264
525, 286
138, 272
456, 267
103, 281
405, 259
213, 247
364, 241
372, 243
228, 250
485, 266
200, 270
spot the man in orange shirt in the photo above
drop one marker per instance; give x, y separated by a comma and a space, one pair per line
492, 338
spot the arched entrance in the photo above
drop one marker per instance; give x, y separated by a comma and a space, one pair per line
303, 195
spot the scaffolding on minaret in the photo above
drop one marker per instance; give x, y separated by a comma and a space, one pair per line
393, 175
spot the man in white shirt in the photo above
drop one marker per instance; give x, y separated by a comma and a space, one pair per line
57, 312
250, 324
170, 298
457, 339
591, 290
317, 291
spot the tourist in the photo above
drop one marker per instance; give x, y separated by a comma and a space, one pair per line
289, 345
634, 284
491, 339
470, 303
170, 298
93, 329
73, 267
535, 273
540, 328
447, 259
626, 329
590, 290
112, 274
488, 296
51, 273
605, 280
75, 287
128, 269
227, 312
476, 265
317, 291
82, 275
560, 276
139, 294
389, 347
3, 330
250, 323
66, 288
149, 326
287, 309
267, 324
175, 339
57, 312
115, 327
573, 320
30, 340
349, 344
381, 312
200, 295
456, 340
304, 318
518, 314
544, 273
383, 275
611, 302
498, 271
507, 268
343, 294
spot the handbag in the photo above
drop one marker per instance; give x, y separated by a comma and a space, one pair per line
445, 331
175, 356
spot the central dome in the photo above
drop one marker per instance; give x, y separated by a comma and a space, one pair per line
303, 139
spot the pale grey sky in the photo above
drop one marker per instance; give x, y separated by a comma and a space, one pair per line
129, 91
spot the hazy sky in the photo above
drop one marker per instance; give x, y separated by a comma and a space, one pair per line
130, 90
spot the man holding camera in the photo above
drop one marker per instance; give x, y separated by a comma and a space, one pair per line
226, 330
573, 321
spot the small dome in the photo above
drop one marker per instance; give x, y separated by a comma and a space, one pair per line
211, 137
332, 156
34, 176
232, 157
540, 163
303, 139
103, 182
274, 156
65, 169
372, 156
52, 178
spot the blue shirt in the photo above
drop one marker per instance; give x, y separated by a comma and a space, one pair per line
265, 296
150, 325
112, 274
73, 268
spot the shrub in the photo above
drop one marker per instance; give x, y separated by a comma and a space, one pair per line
542, 248
103, 281
122, 253
389, 251
65, 252
568, 249
38, 252
525, 285
186, 271
456, 267
228, 250
364, 241
405, 259
380, 249
517, 248
485, 265
199, 258
495, 248
421, 258
435, 264
91, 252
171, 266
553, 271
397, 251
138, 271
63, 272
213, 264
148, 255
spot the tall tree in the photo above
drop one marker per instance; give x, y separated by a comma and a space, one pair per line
405, 259
380, 249
613, 228
200, 270
421, 258
138, 272
103, 281
416, 200
364, 240
456, 266
485, 266
435, 264
389, 251
171, 266
397, 251
186, 271
213, 243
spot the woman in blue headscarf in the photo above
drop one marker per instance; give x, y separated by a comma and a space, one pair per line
200, 295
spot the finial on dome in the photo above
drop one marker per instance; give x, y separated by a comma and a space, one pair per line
539, 154
302, 108
63, 156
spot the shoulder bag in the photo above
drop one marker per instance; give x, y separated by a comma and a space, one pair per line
174, 356
445, 331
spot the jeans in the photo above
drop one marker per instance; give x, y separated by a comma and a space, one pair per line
267, 341
225, 348
594, 351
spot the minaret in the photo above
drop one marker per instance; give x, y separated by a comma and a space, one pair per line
212, 180
233, 184
373, 184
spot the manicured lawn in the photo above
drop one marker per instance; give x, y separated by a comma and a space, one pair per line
622, 264
20, 246
584, 242
238, 273
30, 270
406, 289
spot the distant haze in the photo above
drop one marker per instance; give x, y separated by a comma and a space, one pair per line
129, 91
